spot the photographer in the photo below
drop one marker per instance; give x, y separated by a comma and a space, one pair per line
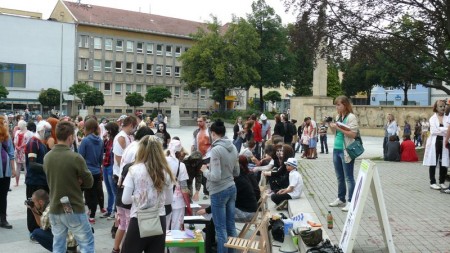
39, 206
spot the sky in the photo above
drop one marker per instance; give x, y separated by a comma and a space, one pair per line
195, 10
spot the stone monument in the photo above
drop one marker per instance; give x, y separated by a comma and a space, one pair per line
174, 120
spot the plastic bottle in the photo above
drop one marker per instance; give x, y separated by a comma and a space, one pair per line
330, 220
66, 205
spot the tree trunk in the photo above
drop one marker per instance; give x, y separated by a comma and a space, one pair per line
261, 99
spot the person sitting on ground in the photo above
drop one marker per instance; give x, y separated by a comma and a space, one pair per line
408, 150
393, 149
295, 188
43, 234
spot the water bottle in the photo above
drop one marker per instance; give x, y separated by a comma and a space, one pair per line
330, 220
66, 205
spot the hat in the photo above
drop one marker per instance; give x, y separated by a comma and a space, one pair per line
174, 146
263, 117
43, 125
292, 162
122, 117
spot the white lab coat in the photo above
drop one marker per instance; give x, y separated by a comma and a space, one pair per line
429, 157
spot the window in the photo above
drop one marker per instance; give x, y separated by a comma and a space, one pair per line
140, 47
119, 45
97, 86
118, 67
97, 65
149, 111
149, 69
168, 50
117, 110
158, 70
177, 71
186, 93
97, 43
108, 66
159, 49
186, 49
108, 44
83, 41
130, 46
97, 110
129, 111
139, 68
13, 75
194, 94
129, 67
177, 51
83, 64
202, 93
128, 88
176, 93
107, 110
168, 70
139, 88
107, 89
118, 89
149, 48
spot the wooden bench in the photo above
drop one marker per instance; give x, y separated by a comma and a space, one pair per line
260, 212
262, 244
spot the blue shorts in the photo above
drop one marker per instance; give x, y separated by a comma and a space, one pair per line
312, 143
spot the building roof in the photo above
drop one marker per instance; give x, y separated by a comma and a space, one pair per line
129, 20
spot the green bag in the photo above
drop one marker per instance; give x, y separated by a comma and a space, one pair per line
356, 148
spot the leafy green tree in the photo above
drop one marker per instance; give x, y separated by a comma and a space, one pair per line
273, 96
221, 60
134, 99
49, 97
3, 92
94, 98
333, 84
80, 90
157, 94
276, 64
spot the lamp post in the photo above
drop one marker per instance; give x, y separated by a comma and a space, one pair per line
386, 97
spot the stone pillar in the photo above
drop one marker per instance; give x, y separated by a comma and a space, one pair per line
320, 76
174, 120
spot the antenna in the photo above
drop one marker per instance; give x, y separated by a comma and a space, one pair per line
149, 8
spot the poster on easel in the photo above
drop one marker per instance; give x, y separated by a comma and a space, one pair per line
368, 178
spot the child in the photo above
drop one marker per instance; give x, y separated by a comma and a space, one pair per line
294, 190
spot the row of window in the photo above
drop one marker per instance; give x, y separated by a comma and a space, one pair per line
148, 112
130, 46
119, 88
13, 75
130, 67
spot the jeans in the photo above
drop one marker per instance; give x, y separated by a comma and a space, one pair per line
44, 238
222, 208
91, 196
5, 182
323, 143
344, 175
110, 187
238, 143
78, 224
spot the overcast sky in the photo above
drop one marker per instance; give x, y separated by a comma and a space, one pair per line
195, 10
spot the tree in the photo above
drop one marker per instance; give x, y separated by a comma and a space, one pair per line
276, 64
351, 22
134, 99
221, 61
272, 96
94, 98
333, 84
80, 90
3, 92
49, 97
157, 94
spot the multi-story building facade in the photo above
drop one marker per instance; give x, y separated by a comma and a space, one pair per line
35, 54
119, 52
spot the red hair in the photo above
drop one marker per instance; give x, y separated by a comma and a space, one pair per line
4, 133
53, 122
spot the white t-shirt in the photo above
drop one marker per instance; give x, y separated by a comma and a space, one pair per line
117, 149
296, 181
128, 155
177, 201
246, 152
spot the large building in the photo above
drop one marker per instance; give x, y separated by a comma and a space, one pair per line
35, 54
119, 52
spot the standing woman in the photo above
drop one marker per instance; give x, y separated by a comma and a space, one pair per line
144, 187
112, 129
343, 164
220, 173
7, 171
238, 131
21, 138
163, 134
279, 126
389, 129
435, 151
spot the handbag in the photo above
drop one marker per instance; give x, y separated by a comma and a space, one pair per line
355, 148
311, 237
325, 247
149, 222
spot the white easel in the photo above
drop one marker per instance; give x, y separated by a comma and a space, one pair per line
368, 176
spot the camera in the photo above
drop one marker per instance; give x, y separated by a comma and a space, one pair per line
206, 161
29, 202
328, 119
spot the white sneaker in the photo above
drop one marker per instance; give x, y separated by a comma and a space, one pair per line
435, 187
336, 202
347, 206
443, 186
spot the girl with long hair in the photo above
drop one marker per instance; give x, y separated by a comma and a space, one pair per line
7, 170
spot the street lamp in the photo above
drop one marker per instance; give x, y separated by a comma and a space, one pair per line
386, 97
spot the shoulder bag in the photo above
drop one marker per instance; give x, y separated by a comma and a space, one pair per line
356, 148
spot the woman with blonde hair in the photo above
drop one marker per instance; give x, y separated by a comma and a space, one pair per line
7, 171
21, 138
343, 164
144, 188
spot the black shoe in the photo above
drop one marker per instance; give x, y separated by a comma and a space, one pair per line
327, 152
5, 224
321, 153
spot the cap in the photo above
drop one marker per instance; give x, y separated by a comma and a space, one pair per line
174, 146
263, 117
292, 162
122, 117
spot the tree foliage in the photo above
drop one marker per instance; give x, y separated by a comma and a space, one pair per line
3, 92
276, 64
49, 97
333, 84
80, 90
94, 98
220, 60
157, 94
272, 96
134, 99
